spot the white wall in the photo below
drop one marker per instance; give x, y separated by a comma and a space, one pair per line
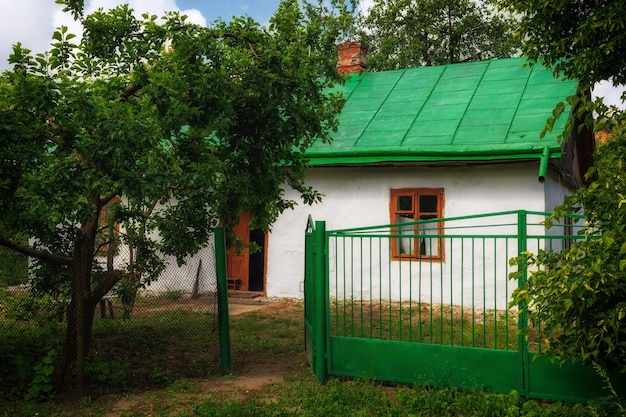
175, 277
183, 278
556, 191
356, 197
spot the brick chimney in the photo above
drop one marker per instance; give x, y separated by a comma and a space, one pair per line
352, 57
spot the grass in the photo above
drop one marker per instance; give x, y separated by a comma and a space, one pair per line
270, 377
423, 323
171, 338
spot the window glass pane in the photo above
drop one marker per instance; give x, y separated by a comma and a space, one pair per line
406, 243
428, 242
428, 203
405, 202
429, 246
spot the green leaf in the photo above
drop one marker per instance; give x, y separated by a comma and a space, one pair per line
607, 241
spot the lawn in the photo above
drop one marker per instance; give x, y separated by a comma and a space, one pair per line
270, 377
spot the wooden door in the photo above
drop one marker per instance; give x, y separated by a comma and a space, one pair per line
238, 264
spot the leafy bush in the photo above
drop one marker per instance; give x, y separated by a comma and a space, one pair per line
110, 372
33, 377
576, 298
41, 385
28, 306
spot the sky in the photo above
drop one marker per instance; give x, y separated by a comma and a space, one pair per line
32, 22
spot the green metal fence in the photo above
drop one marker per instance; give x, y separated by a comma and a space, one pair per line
428, 302
176, 328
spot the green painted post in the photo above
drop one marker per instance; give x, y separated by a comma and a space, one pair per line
522, 345
319, 252
222, 298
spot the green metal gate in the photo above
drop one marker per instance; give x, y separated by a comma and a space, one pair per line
315, 296
437, 311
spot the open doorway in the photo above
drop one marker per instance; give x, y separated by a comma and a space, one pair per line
257, 262
246, 271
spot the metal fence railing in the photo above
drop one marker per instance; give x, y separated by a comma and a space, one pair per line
143, 334
429, 302
450, 286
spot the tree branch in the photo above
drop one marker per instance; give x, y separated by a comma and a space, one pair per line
41, 255
233, 35
110, 279
131, 90
107, 198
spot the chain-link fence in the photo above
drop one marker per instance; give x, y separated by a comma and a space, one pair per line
142, 338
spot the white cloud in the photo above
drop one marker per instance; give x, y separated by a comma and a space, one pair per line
195, 16
30, 22
611, 94
365, 5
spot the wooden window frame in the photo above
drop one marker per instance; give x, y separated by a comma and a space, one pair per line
415, 214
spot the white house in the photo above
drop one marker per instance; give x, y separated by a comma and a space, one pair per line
422, 143
457, 140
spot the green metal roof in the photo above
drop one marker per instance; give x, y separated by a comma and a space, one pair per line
488, 110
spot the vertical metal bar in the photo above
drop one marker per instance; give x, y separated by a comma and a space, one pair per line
495, 293
400, 294
371, 255
484, 295
430, 277
450, 258
343, 245
389, 275
380, 285
462, 290
506, 295
351, 257
410, 299
419, 301
522, 246
222, 298
361, 282
336, 246
440, 294
473, 293
539, 325
320, 241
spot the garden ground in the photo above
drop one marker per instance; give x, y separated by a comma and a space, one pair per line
271, 377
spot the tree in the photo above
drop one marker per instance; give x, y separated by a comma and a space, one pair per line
171, 126
576, 297
411, 33
583, 39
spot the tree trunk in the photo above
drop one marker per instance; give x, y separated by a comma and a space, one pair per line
85, 299
82, 305
77, 339
81, 309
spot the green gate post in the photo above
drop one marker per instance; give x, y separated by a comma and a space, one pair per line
319, 253
222, 298
522, 324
